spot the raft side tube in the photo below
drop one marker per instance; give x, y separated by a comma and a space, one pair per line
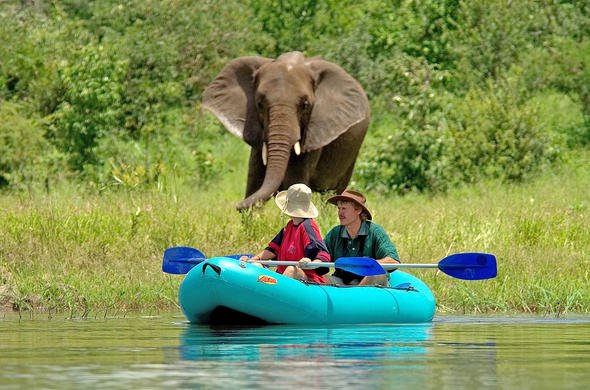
277, 299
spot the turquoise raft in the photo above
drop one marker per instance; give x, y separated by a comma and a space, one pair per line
226, 290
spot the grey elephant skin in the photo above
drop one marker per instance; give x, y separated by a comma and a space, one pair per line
305, 119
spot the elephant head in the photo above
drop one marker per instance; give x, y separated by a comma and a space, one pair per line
288, 110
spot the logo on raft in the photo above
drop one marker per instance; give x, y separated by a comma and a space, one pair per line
267, 279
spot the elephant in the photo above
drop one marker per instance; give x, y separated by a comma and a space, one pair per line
304, 118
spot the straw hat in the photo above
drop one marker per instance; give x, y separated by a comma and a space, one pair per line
354, 197
296, 202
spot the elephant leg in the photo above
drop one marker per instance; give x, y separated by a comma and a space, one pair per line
336, 165
333, 171
256, 171
301, 169
345, 179
332, 174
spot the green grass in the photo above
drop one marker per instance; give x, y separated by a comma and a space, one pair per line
88, 255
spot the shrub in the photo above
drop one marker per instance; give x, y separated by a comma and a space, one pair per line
27, 160
562, 115
563, 68
182, 151
443, 141
89, 108
416, 28
496, 134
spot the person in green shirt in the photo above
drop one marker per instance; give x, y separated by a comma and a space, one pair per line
358, 236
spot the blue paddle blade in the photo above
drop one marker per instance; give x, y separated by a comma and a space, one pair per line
469, 266
363, 266
181, 259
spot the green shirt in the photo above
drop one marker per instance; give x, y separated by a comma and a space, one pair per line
371, 241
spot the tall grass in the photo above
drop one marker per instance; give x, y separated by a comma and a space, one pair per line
538, 231
93, 254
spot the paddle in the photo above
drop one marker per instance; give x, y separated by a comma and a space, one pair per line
466, 266
181, 259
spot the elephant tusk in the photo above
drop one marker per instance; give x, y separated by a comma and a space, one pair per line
297, 148
264, 154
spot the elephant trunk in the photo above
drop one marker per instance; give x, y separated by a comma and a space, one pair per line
279, 145
278, 159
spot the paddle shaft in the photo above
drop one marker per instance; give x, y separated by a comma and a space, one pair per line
276, 263
316, 264
387, 266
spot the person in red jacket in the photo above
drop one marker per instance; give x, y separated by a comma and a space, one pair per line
300, 240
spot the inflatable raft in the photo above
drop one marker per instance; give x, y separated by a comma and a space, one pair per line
226, 290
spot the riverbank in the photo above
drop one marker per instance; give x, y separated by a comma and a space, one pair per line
81, 254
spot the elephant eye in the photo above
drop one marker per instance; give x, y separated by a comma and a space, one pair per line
304, 104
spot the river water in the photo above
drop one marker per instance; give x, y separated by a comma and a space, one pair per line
166, 352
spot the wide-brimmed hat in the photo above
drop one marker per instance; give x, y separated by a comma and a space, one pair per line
296, 202
354, 197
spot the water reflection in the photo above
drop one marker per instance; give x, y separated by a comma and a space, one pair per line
278, 343
166, 352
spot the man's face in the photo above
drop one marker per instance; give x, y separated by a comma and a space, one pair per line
348, 213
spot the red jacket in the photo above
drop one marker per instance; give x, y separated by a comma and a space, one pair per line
294, 242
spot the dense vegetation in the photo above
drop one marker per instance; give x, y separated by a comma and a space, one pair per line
106, 158
107, 92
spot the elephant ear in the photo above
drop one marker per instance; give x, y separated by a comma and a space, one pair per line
340, 103
231, 97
